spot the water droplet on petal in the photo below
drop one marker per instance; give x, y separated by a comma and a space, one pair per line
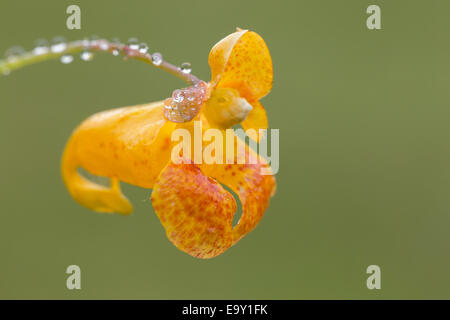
133, 43
59, 45
143, 48
86, 56
66, 59
41, 47
186, 67
157, 58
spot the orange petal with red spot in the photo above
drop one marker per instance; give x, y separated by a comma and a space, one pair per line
256, 120
220, 54
195, 210
252, 182
242, 61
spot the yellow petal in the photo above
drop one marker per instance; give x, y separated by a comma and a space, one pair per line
242, 61
130, 144
225, 108
195, 210
256, 120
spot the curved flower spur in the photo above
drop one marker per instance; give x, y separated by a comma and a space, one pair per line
134, 145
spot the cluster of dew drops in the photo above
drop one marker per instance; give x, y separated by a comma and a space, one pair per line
59, 45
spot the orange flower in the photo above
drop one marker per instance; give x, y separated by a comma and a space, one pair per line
134, 145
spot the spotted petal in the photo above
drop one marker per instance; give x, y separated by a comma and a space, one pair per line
242, 61
195, 210
252, 182
256, 120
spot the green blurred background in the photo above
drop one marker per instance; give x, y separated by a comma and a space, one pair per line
364, 153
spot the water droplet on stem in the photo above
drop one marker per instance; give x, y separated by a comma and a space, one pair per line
186, 67
66, 59
86, 56
157, 59
133, 43
13, 53
59, 45
143, 48
103, 45
41, 47
116, 42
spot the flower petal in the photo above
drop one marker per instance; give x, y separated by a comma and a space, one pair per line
242, 61
252, 182
195, 210
256, 119
130, 144
220, 54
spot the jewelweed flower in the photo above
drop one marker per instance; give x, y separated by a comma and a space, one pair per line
135, 145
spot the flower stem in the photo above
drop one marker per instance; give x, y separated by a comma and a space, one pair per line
16, 62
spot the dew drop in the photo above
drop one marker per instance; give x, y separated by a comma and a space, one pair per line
116, 42
86, 56
58, 45
85, 42
66, 59
6, 72
185, 103
133, 44
103, 45
40, 50
12, 53
186, 67
178, 96
143, 48
41, 47
157, 58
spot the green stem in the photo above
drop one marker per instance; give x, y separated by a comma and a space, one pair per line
16, 62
